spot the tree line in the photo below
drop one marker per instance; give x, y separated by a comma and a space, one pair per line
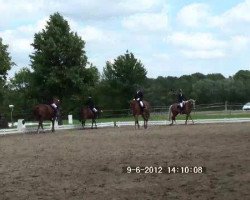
60, 68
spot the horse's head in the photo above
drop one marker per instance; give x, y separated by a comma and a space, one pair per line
56, 101
192, 103
99, 111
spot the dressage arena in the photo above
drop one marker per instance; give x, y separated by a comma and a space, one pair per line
87, 164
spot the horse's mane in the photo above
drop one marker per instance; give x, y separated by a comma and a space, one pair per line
192, 100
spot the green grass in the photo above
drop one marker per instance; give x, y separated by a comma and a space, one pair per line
195, 115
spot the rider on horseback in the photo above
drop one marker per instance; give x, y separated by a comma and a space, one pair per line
181, 99
91, 105
139, 98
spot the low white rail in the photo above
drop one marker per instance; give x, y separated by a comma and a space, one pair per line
26, 129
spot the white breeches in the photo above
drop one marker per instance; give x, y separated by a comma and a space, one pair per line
54, 105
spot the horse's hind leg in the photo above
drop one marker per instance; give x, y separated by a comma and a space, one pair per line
41, 124
83, 124
137, 122
38, 127
173, 119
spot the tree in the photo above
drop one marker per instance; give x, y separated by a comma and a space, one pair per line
59, 61
5, 66
215, 76
5, 61
20, 93
243, 75
121, 78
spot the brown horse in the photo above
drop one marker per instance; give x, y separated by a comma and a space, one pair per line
136, 110
87, 113
174, 109
45, 112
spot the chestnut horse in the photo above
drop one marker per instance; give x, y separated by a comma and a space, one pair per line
136, 111
87, 113
175, 109
45, 112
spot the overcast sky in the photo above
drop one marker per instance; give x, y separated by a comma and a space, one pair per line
170, 37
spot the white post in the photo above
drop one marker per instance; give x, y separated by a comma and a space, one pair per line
20, 125
56, 124
70, 119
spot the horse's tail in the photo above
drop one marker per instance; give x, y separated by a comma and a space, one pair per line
170, 112
131, 106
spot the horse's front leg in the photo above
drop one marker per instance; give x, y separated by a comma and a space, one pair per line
53, 126
145, 124
186, 119
92, 123
191, 118
95, 124
137, 122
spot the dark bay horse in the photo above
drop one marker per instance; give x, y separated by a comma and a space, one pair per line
87, 113
174, 110
136, 111
43, 112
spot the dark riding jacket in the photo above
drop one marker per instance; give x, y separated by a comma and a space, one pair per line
181, 98
90, 103
139, 95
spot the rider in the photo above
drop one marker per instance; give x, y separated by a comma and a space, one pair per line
54, 105
91, 105
139, 98
181, 99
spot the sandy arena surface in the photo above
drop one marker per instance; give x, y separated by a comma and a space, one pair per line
87, 164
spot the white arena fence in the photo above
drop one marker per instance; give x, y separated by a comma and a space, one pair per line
207, 109
25, 129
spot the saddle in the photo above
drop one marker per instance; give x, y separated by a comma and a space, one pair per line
183, 106
55, 111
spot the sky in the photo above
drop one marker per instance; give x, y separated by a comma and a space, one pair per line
170, 37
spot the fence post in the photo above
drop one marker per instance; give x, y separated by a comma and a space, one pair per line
20, 125
56, 124
70, 119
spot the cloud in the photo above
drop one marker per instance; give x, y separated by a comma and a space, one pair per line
144, 22
237, 14
193, 15
196, 40
203, 54
239, 43
198, 45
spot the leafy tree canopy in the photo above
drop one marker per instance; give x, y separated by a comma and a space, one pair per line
59, 61
5, 61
